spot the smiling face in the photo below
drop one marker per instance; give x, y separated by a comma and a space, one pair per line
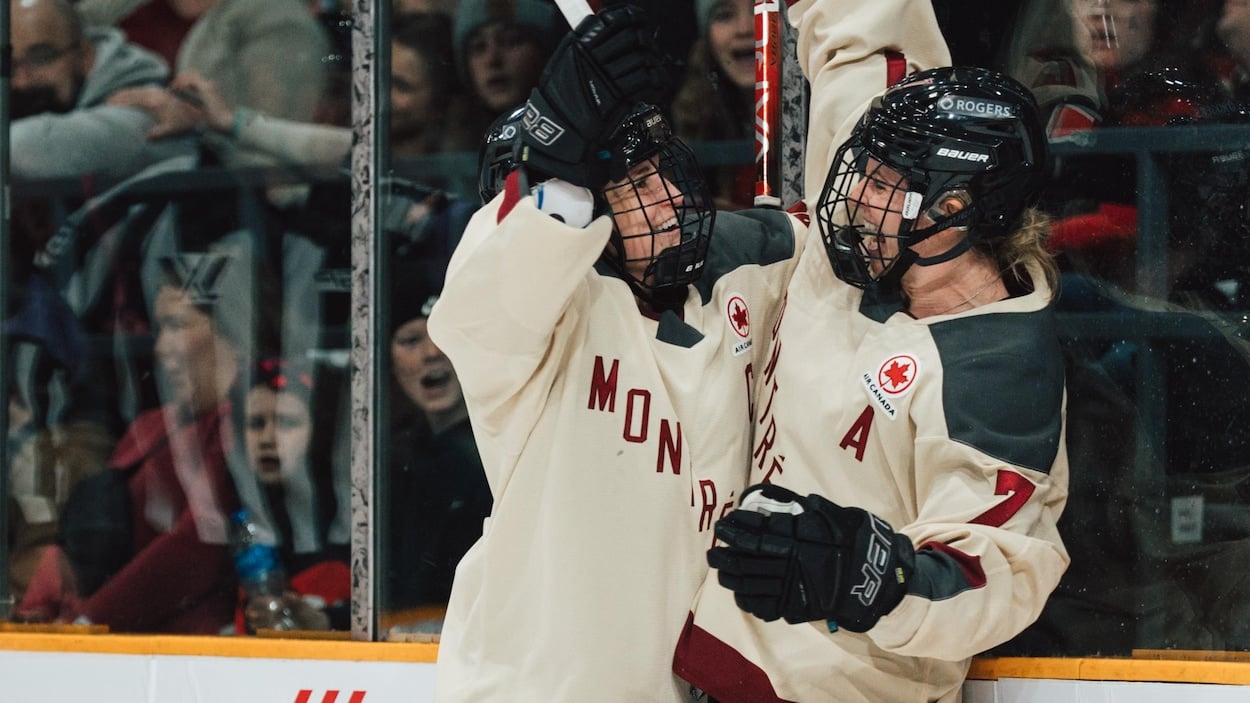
731, 39
278, 428
425, 375
876, 203
644, 206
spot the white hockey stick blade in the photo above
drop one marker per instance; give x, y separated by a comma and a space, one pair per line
574, 11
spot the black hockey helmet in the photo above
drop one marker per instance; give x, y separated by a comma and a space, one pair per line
494, 156
660, 204
962, 132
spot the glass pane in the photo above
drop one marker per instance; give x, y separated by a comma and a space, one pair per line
177, 325
435, 489
1150, 228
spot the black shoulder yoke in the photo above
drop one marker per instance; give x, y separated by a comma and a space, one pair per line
1003, 385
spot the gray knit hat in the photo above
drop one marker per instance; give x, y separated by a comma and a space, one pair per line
541, 16
703, 13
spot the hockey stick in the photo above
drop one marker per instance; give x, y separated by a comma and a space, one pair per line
767, 103
574, 11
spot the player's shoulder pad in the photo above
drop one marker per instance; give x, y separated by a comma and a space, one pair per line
1002, 388
742, 238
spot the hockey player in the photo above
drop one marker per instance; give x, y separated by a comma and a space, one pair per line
607, 345
909, 425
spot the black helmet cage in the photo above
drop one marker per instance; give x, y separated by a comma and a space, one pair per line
494, 156
966, 132
657, 186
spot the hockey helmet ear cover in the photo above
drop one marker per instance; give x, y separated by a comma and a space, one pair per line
494, 155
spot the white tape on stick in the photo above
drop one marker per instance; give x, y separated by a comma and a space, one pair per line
574, 11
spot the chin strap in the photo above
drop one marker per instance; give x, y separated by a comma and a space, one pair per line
955, 221
964, 245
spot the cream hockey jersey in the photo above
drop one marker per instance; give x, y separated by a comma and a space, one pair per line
611, 441
951, 429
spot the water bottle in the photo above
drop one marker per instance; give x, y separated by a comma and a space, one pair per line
260, 576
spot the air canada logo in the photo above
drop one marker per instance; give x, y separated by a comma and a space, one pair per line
896, 374
739, 319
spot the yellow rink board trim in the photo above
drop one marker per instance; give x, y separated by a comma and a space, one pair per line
246, 647
1147, 666
1115, 669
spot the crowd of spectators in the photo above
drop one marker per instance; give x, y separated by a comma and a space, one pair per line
217, 312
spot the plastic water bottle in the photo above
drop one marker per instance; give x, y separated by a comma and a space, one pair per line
260, 576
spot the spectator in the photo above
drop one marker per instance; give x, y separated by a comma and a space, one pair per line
56, 434
263, 55
1232, 29
438, 491
423, 115
427, 106
716, 101
156, 25
1039, 43
176, 575
297, 496
500, 49
62, 76
1151, 79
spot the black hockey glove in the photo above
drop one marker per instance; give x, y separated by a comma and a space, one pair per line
807, 559
596, 75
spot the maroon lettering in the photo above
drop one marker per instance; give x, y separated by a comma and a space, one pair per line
771, 366
772, 393
750, 376
857, 435
775, 467
669, 447
631, 401
781, 312
707, 515
766, 443
603, 386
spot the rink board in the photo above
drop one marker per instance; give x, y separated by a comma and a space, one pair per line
146, 669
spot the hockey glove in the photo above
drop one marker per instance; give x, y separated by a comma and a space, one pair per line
805, 559
601, 69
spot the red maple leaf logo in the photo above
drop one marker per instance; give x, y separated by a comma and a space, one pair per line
897, 373
740, 317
